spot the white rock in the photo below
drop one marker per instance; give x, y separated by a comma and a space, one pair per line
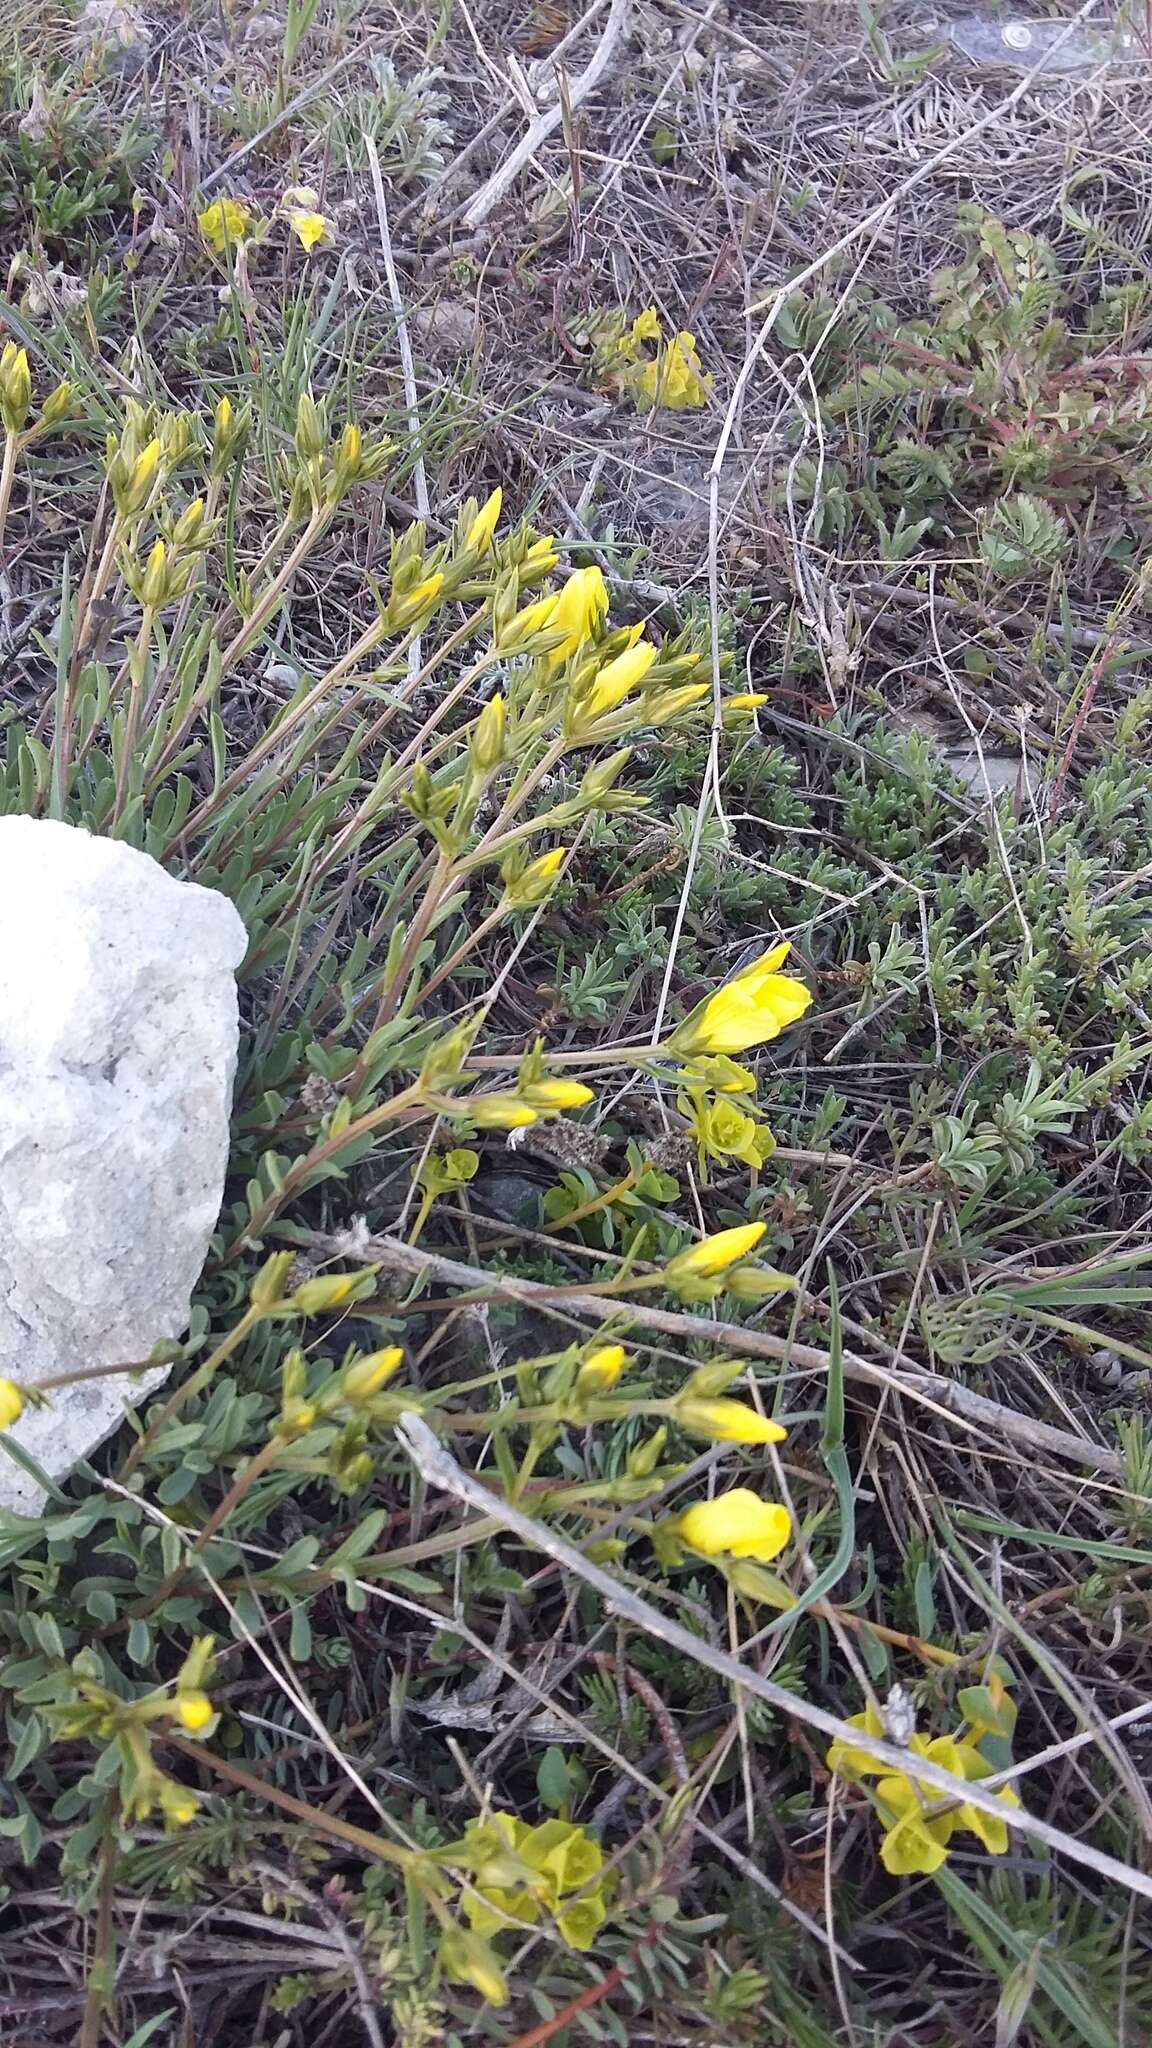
118, 1038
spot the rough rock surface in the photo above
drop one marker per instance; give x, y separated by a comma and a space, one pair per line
118, 1039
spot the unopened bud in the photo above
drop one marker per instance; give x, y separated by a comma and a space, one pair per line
155, 581
365, 1376
311, 439
15, 387
327, 1291
487, 739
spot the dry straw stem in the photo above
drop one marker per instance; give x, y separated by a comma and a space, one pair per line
943, 1397
491, 193
440, 1470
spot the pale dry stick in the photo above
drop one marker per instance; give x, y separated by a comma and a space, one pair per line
945, 1398
1059, 1750
439, 1469
545, 124
404, 348
644, 127
830, 1916
423, 202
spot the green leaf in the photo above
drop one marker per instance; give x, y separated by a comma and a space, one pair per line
552, 1780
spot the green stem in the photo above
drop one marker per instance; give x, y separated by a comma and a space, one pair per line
194, 1385
7, 476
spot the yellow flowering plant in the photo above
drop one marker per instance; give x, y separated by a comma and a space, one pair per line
225, 223
523, 1874
918, 1825
648, 366
751, 1009
501, 702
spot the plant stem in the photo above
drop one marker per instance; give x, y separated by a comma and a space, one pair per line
7, 475
183, 1393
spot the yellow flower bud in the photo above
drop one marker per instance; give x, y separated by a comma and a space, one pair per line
487, 741
296, 1419
404, 611
534, 883
555, 1096
613, 682
348, 457
754, 1006
333, 1290
483, 527
11, 1403
154, 586
310, 437
467, 1959
188, 530
727, 1422
15, 387
177, 1804
136, 492
713, 1255
601, 1369
497, 1112
365, 1376
56, 406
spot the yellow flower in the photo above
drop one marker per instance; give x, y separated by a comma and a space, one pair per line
558, 1858
11, 1403
601, 1369
912, 1845
713, 1255
744, 700
856, 1763
722, 1131
736, 1524
613, 682
645, 327
479, 534
576, 610
224, 223
727, 1422
310, 229
917, 1836
754, 1006
194, 1710
675, 377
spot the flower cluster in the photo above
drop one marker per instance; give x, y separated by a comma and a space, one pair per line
652, 369
524, 1873
918, 1824
228, 224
